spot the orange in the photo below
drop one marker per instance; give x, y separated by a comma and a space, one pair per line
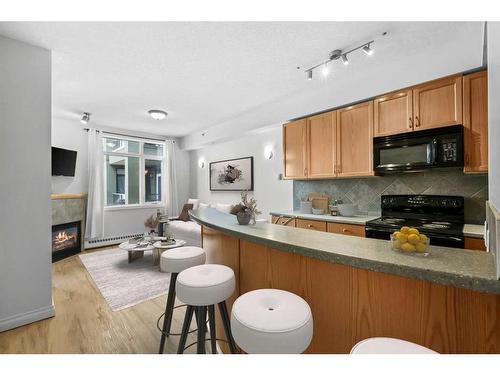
413, 238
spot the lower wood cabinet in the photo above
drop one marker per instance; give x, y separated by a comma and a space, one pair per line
473, 243
347, 229
311, 224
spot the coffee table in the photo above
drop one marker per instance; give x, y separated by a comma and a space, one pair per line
135, 251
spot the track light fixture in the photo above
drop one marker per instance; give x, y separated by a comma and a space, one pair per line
342, 55
85, 118
368, 50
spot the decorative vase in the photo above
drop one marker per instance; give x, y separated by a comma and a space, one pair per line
244, 217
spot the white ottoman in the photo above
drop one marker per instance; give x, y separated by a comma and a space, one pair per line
387, 345
174, 261
201, 288
271, 321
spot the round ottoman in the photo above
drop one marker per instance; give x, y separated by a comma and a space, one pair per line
271, 321
387, 345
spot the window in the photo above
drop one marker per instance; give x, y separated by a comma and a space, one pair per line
133, 171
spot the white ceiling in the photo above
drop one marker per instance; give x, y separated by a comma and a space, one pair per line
208, 75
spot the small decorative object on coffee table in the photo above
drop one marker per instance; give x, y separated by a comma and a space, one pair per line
246, 210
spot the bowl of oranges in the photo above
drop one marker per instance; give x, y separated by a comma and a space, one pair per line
409, 240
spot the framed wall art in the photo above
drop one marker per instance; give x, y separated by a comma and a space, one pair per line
232, 175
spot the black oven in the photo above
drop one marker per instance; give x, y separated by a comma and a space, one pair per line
435, 148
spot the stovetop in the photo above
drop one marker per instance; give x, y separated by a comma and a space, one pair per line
439, 227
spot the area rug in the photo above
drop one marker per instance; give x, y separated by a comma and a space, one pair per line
124, 284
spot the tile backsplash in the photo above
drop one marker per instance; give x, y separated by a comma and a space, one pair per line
366, 192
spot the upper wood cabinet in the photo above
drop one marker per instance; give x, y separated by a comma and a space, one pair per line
475, 106
393, 113
295, 149
355, 140
321, 145
438, 103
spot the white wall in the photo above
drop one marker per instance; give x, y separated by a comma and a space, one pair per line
270, 192
494, 112
25, 216
70, 135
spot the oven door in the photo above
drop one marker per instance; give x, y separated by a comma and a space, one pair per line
404, 154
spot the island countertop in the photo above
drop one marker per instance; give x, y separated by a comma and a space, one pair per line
469, 269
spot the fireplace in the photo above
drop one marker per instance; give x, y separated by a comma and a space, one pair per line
66, 240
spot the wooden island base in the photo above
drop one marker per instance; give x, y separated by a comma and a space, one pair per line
351, 304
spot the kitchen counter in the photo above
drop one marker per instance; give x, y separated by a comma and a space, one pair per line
473, 270
474, 230
470, 230
358, 219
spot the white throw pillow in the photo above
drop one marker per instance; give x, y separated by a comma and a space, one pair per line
226, 208
194, 202
203, 205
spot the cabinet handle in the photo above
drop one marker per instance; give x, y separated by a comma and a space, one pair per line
345, 230
305, 171
309, 225
417, 122
467, 159
411, 123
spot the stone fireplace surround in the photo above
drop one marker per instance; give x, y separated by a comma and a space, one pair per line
68, 208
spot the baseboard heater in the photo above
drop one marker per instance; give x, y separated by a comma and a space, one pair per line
108, 241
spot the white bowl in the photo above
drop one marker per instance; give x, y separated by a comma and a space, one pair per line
347, 209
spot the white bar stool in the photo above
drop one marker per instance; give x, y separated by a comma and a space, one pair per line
387, 345
201, 288
175, 261
272, 321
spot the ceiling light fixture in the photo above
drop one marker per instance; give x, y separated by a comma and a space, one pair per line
339, 54
157, 114
85, 118
368, 50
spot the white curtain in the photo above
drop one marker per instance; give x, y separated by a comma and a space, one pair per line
95, 205
170, 187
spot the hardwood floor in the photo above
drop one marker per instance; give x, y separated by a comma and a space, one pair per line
85, 324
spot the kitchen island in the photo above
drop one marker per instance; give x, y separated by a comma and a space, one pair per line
359, 288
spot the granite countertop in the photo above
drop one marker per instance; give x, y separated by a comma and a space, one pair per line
470, 230
474, 230
358, 219
457, 267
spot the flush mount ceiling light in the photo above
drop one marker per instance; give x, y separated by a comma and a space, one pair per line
85, 118
157, 114
342, 55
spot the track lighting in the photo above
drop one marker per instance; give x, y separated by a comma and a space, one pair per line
325, 70
342, 55
85, 118
368, 50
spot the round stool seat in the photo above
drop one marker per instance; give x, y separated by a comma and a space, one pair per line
181, 258
271, 321
387, 345
205, 285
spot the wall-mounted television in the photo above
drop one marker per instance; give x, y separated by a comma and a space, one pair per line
63, 162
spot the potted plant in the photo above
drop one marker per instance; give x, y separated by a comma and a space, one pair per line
246, 210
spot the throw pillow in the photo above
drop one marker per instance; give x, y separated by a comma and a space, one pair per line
194, 202
226, 208
184, 216
203, 205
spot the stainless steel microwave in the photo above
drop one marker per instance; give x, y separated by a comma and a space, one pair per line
414, 151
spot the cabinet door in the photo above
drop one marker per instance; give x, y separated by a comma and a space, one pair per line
472, 243
476, 122
295, 149
393, 113
347, 229
321, 147
438, 103
355, 140
311, 224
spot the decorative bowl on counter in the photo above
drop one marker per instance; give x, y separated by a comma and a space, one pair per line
409, 241
347, 209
